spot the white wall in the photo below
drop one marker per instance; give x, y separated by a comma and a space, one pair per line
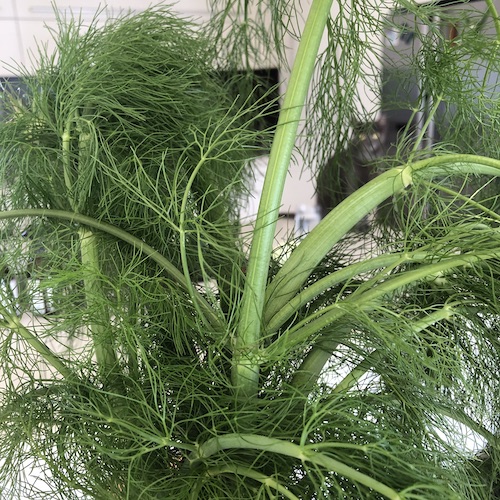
26, 23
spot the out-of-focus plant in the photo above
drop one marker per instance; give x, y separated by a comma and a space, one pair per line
355, 369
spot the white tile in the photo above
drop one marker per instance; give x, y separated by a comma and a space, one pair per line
10, 48
35, 34
7, 9
43, 9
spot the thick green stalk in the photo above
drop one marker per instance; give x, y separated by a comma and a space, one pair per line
103, 344
344, 216
494, 14
304, 453
245, 364
367, 300
327, 233
343, 275
66, 159
460, 415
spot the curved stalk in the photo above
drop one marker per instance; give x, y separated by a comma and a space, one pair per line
459, 415
120, 234
368, 299
327, 233
304, 453
344, 216
245, 367
68, 178
342, 275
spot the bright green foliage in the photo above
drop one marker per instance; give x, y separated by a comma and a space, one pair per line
362, 367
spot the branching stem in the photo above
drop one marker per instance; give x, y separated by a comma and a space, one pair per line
370, 298
304, 453
343, 275
245, 366
344, 216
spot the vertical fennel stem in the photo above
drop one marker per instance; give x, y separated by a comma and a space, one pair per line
103, 346
245, 363
494, 14
425, 126
105, 354
66, 143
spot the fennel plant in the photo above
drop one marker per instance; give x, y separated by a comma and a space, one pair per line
356, 368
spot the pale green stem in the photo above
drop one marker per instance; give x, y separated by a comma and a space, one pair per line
494, 14
120, 234
66, 158
306, 376
252, 474
369, 299
245, 365
303, 453
104, 347
327, 233
344, 216
353, 377
99, 332
14, 324
342, 275
425, 126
